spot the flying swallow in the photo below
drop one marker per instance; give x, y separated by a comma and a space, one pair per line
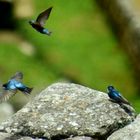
13, 86
116, 96
40, 22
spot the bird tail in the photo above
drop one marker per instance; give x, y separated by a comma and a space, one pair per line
125, 101
49, 33
28, 90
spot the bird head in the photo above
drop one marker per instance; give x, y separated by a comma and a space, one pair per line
110, 88
31, 22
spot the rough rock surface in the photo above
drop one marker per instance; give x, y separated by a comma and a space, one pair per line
4, 136
80, 138
7, 136
129, 132
63, 110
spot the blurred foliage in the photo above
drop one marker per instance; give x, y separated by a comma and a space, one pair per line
82, 49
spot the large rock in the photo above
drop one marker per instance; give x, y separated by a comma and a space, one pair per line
80, 138
130, 132
63, 110
7, 136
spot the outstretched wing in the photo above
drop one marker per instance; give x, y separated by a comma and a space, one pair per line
18, 76
6, 94
43, 16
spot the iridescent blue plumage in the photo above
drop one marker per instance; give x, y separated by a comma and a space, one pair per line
40, 22
16, 85
12, 86
116, 96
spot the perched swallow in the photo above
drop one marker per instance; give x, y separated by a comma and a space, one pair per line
12, 86
116, 96
40, 22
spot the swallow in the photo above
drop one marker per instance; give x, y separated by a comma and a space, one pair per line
40, 22
116, 96
13, 86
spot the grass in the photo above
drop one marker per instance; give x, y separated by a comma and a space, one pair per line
82, 49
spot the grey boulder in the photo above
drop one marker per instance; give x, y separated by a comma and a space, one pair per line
63, 110
129, 132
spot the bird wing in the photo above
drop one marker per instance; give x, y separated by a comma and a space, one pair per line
6, 94
19, 85
43, 16
121, 98
18, 76
23, 88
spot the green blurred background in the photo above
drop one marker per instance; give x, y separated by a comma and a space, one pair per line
82, 49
